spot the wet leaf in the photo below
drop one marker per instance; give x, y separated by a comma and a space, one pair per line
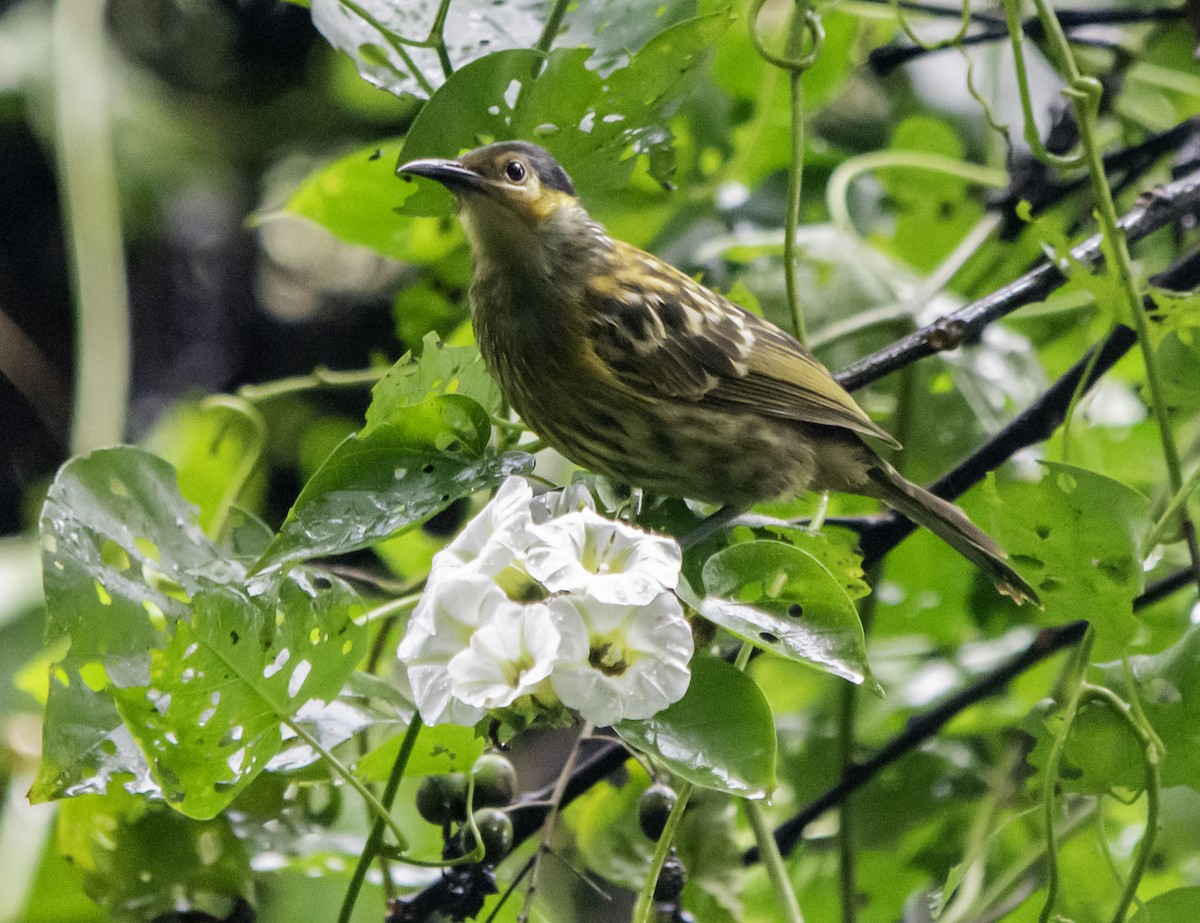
781, 598
210, 717
379, 36
586, 120
400, 474
439, 370
720, 735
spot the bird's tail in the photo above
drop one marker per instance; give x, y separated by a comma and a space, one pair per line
949, 523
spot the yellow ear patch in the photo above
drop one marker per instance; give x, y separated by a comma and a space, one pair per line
549, 201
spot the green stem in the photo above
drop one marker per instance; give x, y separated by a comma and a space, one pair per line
1076, 684
91, 216
396, 41
1011, 875
963, 26
796, 34
318, 379
553, 24
437, 39
1150, 755
847, 888
768, 849
772, 859
838, 187
1012, 12
382, 814
645, 900
1167, 521
375, 838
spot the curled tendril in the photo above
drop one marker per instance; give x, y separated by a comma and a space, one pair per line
1083, 89
240, 411
955, 39
815, 35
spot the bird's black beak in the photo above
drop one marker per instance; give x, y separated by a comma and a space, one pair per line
451, 174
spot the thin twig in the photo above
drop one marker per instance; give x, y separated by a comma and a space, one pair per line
1154, 210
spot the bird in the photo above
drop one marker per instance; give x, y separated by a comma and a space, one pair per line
632, 369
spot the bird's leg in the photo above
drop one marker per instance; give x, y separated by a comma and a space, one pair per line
711, 525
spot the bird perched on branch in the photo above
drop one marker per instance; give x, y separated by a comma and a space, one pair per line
632, 369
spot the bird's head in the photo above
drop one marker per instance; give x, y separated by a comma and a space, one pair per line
516, 202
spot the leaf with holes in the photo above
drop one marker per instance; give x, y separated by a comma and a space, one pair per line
398, 475
781, 598
122, 557
588, 121
386, 40
1078, 537
1168, 690
354, 198
209, 718
720, 735
439, 370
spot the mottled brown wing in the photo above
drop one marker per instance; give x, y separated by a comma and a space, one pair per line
663, 334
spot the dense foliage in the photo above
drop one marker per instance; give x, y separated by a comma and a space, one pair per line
226, 729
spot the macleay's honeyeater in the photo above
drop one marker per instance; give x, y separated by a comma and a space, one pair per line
632, 369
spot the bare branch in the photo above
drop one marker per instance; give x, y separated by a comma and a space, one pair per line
1154, 210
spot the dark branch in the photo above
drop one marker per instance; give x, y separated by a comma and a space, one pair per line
527, 816
923, 726
1039, 185
886, 59
1163, 588
880, 535
1153, 210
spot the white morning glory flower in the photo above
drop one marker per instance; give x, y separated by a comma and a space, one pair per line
509, 657
496, 536
571, 499
612, 561
451, 611
620, 661
542, 603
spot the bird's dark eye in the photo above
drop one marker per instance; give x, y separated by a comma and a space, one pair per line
515, 171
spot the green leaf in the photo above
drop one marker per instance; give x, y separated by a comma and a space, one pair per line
618, 28
1077, 536
143, 861
440, 749
586, 120
439, 370
781, 598
1178, 906
122, 556
398, 475
1168, 687
720, 735
1101, 754
1178, 358
835, 548
355, 198
370, 31
210, 716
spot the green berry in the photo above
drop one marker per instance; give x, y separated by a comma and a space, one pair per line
654, 808
443, 799
496, 832
495, 781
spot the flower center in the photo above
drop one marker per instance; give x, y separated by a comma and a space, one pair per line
607, 657
519, 586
